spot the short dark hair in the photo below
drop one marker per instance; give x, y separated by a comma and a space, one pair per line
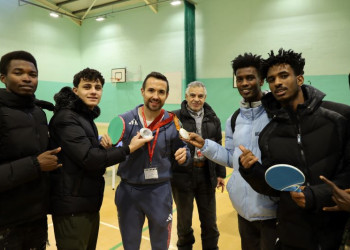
247, 60
15, 55
295, 61
88, 75
159, 76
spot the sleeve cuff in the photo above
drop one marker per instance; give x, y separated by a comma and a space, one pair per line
36, 163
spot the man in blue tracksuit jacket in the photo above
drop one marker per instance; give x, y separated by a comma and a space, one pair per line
144, 190
256, 212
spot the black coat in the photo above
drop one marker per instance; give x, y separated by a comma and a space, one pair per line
23, 136
323, 148
79, 185
211, 129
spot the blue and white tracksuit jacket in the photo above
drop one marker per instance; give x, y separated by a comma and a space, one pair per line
249, 123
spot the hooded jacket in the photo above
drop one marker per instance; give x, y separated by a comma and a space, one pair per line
78, 185
315, 139
23, 136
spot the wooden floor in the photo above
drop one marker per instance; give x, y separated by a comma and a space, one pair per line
109, 235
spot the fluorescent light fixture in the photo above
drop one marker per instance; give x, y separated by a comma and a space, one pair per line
54, 14
175, 2
100, 18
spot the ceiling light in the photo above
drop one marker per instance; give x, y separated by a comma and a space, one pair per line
100, 18
175, 2
54, 14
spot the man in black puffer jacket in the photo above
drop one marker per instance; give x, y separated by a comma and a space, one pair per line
200, 180
77, 187
24, 161
312, 135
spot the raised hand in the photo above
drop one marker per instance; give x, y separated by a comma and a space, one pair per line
194, 139
180, 155
341, 197
138, 141
247, 157
48, 160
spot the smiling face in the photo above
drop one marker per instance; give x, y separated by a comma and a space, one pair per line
195, 98
154, 94
285, 85
21, 78
249, 84
90, 92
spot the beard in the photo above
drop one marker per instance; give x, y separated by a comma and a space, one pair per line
152, 108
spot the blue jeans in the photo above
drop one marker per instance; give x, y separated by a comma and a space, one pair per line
31, 235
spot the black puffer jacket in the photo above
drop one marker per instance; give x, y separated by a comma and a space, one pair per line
79, 185
314, 139
23, 136
211, 129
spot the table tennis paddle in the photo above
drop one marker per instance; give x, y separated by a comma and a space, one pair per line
284, 177
116, 129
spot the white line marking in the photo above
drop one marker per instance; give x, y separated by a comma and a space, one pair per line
109, 225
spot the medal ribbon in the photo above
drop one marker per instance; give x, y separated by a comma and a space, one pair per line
155, 125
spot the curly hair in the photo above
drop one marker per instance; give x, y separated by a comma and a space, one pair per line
295, 61
88, 75
247, 60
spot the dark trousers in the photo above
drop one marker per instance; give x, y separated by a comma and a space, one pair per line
31, 235
257, 235
134, 203
204, 194
76, 231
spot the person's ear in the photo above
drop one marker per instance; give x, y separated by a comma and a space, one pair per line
300, 80
2, 78
75, 90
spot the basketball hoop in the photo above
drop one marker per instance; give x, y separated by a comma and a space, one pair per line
118, 75
115, 79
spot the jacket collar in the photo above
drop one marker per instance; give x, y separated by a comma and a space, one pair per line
12, 100
66, 99
206, 107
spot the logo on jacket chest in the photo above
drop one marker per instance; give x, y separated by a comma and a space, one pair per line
133, 122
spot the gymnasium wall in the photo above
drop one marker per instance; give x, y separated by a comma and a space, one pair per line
143, 41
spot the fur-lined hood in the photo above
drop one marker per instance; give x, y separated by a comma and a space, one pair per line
66, 99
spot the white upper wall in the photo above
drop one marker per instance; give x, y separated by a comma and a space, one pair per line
138, 40
320, 29
53, 42
143, 41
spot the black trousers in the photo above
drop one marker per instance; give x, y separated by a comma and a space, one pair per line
257, 235
30, 235
76, 231
204, 194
